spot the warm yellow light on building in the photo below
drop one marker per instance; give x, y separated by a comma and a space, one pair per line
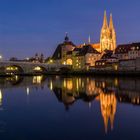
65, 85
69, 61
51, 61
116, 67
64, 63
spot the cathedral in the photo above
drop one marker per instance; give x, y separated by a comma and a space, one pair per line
108, 35
85, 55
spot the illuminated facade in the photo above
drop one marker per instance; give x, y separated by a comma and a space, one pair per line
63, 52
127, 51
86, 57
108, 35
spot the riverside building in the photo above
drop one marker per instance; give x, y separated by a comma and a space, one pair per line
85, 56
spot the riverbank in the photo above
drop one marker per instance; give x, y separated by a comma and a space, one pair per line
84, 73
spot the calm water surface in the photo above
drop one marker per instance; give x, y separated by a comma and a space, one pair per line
69, 108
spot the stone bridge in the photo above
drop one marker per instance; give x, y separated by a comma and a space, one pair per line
13, 67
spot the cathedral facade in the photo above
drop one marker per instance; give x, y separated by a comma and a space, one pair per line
108, 35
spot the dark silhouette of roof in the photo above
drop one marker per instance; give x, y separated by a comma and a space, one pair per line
125, 48
121, 49
107, 54
87, 49
136, 44
77, 49
58, 52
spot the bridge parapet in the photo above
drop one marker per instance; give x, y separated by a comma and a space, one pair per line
28, 67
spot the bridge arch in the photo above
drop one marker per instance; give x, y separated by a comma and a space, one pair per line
39, 69
13, 70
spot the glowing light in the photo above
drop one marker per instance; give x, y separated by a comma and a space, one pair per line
28, 90
69, 62
51, 85
108, 105
116, 67
69, 84
37, 68
51, 60
64, 63
65, 85
0, 57
0, 97
11, 68
16, 77
37, 79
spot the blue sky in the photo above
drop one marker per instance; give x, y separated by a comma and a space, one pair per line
30, 26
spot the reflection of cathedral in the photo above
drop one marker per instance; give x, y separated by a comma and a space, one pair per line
71, 89
108, 105
68, 90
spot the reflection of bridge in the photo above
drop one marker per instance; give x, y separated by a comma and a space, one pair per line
10, 67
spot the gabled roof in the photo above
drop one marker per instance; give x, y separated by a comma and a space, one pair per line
125, 48
87, 49
121, 49
68, 43
136, 44
107, 54
77, 49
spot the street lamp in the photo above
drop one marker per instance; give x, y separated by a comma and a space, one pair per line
0, 57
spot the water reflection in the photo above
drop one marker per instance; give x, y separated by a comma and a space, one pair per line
107, 91
68, 90
0, 97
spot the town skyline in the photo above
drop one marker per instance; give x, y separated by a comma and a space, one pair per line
38, 29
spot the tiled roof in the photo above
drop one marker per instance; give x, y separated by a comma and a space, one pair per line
77, 49
87, 49
107, 54
123, 49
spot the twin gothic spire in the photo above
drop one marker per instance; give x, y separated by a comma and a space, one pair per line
105, 22
108, 34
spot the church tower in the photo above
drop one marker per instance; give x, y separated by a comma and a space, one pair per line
108, 35
112, 33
